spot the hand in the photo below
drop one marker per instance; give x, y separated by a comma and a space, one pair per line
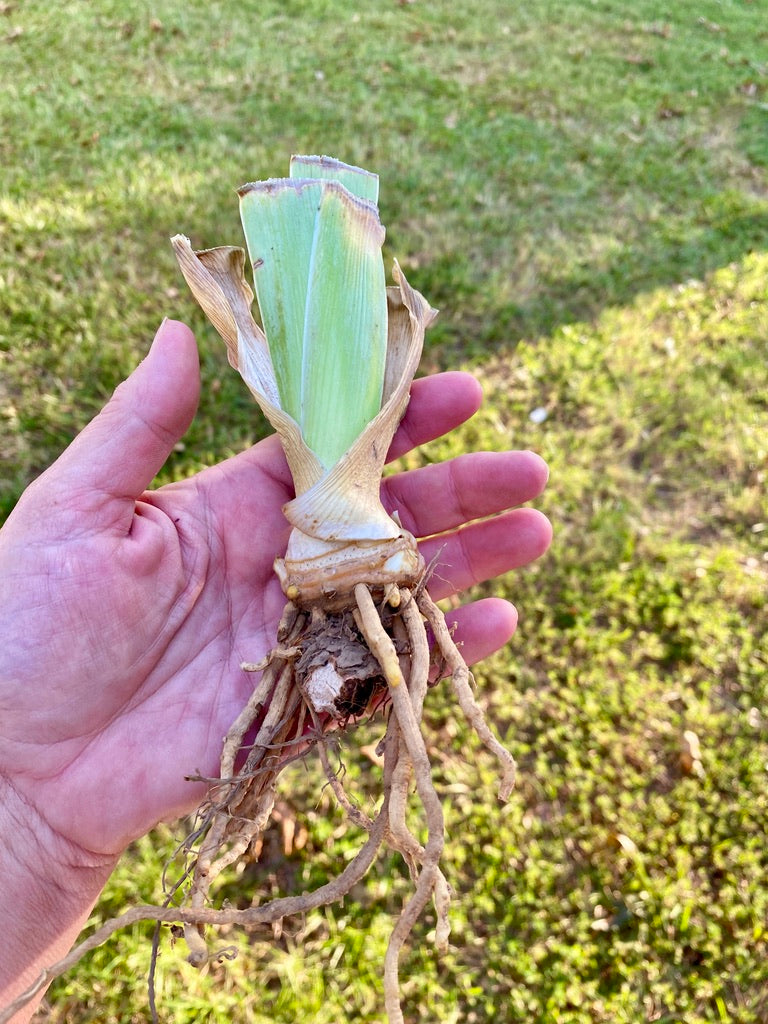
127, 613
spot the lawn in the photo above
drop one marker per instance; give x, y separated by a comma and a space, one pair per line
581, 187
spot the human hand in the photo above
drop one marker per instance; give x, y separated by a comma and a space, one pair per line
127, 613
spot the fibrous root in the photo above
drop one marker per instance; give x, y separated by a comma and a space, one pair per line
379, 656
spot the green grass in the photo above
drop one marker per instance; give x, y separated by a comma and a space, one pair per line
582, 188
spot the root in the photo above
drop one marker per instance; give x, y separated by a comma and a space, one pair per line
460, 677
284, 724
400, 836
353, 813
244, 804
380, 643
286, 906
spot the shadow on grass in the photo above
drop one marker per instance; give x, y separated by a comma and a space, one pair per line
658, 261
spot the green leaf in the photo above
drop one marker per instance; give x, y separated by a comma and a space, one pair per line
279, 223
345, 336
319, 277
361, 183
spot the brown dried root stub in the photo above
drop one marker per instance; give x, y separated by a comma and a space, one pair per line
336, 671
327, 669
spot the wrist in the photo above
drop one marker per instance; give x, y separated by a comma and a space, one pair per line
52, 885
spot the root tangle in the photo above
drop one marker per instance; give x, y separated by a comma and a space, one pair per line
284, 723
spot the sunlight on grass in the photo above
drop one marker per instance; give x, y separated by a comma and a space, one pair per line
42, 214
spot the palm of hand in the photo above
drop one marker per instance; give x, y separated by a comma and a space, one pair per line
139, 635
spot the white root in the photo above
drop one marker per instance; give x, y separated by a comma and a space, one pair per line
382, 646
410, 627
210, 862
353, 813
460, 677
286, 906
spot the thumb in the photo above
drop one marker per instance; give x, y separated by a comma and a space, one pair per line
120, 451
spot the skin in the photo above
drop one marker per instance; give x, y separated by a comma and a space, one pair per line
127, 612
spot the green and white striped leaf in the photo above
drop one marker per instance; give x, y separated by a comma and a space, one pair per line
319, 277
359, 182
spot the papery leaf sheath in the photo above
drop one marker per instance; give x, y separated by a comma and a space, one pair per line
215, 277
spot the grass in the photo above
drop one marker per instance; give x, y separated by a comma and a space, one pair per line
582, 188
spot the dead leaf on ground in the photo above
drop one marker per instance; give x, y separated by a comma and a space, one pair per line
666, 111
293, 833
372, 752
690, 754
623, 842
639, 60
662, 29
710, 26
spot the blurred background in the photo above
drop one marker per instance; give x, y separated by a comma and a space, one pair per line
581, 187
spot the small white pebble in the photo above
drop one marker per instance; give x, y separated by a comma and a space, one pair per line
538, 415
